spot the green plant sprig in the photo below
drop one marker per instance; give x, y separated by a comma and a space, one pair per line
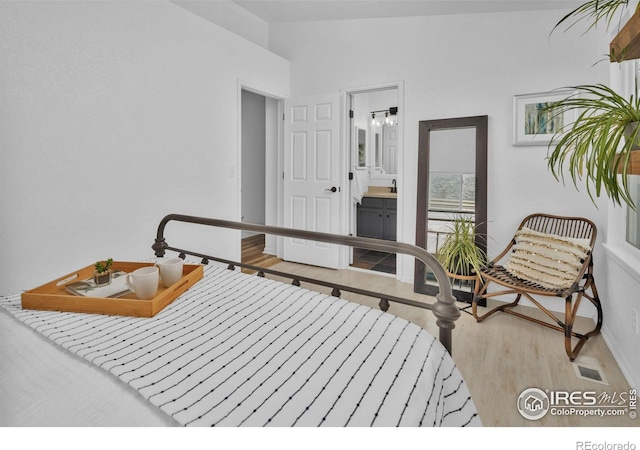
594, 144
103, 266
593, 11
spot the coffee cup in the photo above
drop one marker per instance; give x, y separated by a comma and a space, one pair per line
170, 270
144, 282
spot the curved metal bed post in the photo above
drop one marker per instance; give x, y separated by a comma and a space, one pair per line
444, 308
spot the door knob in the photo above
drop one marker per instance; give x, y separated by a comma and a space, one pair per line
333, 189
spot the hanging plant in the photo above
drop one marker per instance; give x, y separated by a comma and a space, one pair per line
594, 146
595, 12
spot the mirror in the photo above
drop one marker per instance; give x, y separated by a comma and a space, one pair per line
361, 147
385, 149
452, 182
377, 146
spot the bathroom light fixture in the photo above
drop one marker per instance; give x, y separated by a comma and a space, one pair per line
390, 116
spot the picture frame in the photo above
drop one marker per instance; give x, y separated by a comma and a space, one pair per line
530, 124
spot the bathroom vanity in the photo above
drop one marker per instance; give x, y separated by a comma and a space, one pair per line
377, 214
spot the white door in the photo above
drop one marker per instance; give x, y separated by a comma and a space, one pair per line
312, 190
390, 146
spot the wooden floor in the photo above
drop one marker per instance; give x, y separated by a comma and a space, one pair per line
500, 357
253, 253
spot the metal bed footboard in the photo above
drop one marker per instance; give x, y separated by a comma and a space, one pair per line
444, 308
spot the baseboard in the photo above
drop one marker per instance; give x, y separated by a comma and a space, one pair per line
247, 234
632, 378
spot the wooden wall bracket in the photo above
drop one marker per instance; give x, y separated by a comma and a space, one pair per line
626, 45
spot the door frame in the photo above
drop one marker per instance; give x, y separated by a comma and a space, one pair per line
348, 211
279, 97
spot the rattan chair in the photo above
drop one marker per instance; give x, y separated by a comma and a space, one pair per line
507, 283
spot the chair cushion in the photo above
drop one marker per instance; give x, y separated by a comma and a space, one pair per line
549, 260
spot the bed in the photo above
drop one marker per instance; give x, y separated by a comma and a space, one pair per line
236, 350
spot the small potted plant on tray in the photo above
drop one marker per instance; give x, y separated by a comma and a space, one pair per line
102, 275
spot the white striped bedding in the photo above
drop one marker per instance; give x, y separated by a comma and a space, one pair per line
239, 350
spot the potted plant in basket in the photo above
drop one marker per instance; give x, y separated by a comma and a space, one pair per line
598, 145
103, 274
459, 254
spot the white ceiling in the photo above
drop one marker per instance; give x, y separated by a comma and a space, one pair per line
279, 11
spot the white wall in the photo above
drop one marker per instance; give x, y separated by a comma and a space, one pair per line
619, 284
112, 115
452, 151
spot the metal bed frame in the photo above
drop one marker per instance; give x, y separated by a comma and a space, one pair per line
444, 308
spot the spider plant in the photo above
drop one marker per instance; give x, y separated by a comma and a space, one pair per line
594, 145
459, 254
594, 12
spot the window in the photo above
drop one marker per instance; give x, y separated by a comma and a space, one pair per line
633, 217
452, 192
632, 234
623, 228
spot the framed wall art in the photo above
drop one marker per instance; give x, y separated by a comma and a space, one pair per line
532, 124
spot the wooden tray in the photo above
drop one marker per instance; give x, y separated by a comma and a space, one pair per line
53, 296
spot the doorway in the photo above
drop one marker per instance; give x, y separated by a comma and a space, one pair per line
260, 138
302, 185
253, 159
375, 164
270, 116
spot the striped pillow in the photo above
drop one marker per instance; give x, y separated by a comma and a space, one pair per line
549, 260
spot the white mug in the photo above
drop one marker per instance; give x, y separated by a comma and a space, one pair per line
170, 270
144, 282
